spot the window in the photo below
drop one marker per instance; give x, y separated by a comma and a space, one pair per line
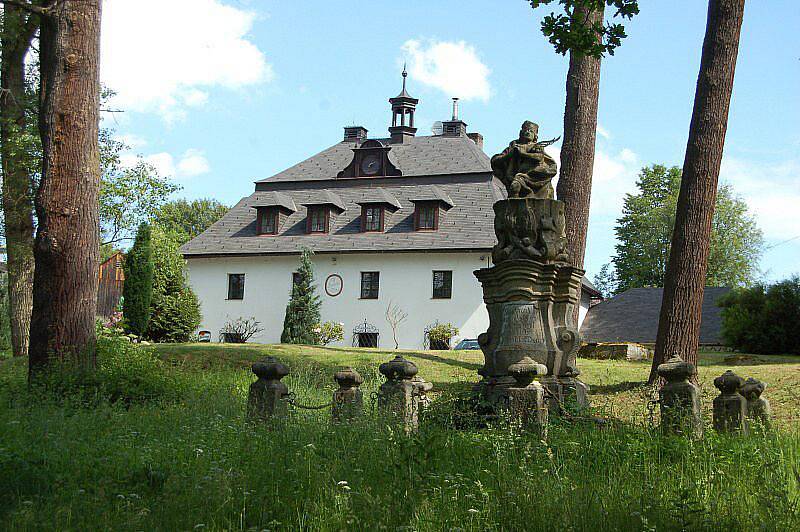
372, 218
267, 221
369, 285
295, 278
318, 219
235, 286
442, 284
427, 216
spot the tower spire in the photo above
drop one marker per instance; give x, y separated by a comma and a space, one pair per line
403, 106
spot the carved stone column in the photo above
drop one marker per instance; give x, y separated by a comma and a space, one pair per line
348, 400
730, 408
759, 412
679, 398
399, 396
267, 396
526, 400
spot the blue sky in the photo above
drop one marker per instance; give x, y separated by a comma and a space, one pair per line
220, 93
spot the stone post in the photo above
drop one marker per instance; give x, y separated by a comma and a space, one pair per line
730, 408
348, 400
267, 397
679, 398
399, 396
759, 412
526, 401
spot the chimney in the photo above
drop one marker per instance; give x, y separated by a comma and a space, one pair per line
454, 127
477, 138
355, 134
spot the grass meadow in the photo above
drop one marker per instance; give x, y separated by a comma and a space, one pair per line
186, 459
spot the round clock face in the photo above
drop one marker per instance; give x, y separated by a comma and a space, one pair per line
370, 164
333, 285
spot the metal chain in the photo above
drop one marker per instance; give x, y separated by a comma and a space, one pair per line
290, 399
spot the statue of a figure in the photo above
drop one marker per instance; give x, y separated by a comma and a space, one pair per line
524, 168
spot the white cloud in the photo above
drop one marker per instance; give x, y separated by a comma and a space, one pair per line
132, 141
452, 67
190, 164
164, 56
771, 190
193, 163
603, 132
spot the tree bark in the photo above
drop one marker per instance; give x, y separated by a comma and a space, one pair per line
67, 236
577, 150
681, 306
19, 27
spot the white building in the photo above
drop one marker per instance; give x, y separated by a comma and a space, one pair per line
402, 220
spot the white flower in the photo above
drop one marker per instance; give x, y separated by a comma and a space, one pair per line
473, 511
342, 483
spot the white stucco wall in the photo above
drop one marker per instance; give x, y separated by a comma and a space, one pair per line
405, 279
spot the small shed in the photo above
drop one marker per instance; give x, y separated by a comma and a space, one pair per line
110, 281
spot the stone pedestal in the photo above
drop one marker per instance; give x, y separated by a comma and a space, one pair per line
348, 400
679, 398
530, 295
759, 413
526, 398
399, 396
267, 396
730, 408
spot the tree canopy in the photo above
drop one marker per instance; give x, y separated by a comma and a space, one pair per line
302, 311
644, 233
188, 218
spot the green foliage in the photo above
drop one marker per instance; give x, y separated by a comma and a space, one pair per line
644, 234
763, 319
129, 195
606, 281
5, 320
302, 311
440, 334
189, 218
328, 332
138, 288
175, 310
572, 31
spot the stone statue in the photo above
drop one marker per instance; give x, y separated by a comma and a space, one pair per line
524, 168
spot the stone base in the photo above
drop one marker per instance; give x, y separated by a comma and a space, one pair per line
529, 407
565, 392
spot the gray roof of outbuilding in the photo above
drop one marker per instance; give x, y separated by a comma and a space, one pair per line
632, 316
416, 156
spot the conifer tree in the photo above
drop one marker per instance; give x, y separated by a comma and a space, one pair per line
138, 288
302, 312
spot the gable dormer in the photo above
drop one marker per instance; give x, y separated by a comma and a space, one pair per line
370, 159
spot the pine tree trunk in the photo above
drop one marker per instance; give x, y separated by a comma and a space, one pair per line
577, 150
67, 237
681, 307
18, 30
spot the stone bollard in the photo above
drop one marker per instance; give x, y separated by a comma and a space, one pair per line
267, 397
679, 398
730, 408
348, 400
526, 401
399, 396
758, 409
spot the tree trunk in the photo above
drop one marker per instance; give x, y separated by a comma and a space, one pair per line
577, 150
681, 307
67, 236
19, 28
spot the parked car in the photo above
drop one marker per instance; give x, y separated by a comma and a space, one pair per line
468, 344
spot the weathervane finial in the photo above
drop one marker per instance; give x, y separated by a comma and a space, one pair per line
405, 75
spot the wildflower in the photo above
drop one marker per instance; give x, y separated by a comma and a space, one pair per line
342, 483
473, 511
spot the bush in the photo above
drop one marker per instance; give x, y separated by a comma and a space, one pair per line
329, 332
763, 319
302, 311
240, 330
440, 334
175, 310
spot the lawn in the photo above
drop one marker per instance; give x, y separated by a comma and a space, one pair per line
190, 461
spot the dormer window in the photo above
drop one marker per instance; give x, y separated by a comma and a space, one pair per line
318, 219
268, 221
426, 216
372, 218
271, 208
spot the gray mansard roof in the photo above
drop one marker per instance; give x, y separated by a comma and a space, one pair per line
452, 170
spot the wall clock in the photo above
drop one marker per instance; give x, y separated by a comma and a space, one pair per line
371, 164
333, 285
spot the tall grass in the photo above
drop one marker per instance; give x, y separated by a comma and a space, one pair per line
193, 462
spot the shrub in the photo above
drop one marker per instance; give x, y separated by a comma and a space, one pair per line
329, 332
175, 310
240, 330
138, 288
440, 334
302, 311
763, 319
